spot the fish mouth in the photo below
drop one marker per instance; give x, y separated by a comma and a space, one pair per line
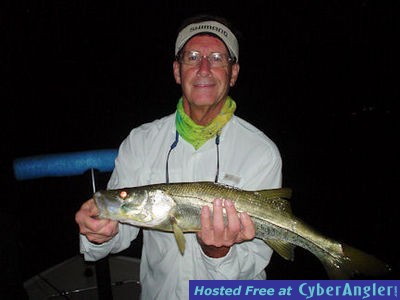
99, 201
107, 207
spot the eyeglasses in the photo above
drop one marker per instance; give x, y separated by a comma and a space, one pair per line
194, 58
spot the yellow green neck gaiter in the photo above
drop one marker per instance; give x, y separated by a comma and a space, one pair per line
196, 134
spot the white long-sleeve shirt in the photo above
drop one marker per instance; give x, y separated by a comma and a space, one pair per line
248, 159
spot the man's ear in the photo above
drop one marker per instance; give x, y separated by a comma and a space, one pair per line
235, 74
177, 72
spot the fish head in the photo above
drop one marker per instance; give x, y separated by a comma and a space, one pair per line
138, 207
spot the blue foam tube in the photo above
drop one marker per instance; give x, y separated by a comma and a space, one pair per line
64, 164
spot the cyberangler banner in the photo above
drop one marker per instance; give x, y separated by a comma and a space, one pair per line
294, 289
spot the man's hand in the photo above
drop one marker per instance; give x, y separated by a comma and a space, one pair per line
215, 237
96, 230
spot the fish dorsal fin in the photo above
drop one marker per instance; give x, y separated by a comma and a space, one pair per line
285, 193
284, 249
277, 198
178, 233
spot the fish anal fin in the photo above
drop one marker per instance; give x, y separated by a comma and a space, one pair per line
284, 249
179, 236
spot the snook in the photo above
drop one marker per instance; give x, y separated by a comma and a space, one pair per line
176, 208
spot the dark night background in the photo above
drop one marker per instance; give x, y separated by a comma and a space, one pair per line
318, 77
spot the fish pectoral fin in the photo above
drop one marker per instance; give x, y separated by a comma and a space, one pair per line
284, 249
179, 236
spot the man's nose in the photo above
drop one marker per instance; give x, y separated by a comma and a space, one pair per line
204, 66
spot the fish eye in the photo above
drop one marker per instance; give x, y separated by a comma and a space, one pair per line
135, 199
123, 194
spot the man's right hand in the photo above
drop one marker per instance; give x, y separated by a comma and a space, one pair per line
96, 230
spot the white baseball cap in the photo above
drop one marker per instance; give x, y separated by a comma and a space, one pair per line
214, 27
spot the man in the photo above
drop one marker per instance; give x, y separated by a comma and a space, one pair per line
202, 141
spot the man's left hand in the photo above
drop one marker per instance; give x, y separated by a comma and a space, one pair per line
216, 237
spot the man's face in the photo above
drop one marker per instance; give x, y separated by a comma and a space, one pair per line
204, 85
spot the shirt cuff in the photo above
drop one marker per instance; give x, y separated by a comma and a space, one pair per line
92, 251
216, 266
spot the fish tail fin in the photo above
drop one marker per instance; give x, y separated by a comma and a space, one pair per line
354, 263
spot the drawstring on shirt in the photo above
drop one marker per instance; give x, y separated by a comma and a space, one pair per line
173, 145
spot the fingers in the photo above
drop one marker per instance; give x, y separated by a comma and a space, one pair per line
232, 216
248, 229
218, 222
101, 231
90, 208
206, 234
96, 230
214, 231
205, 219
